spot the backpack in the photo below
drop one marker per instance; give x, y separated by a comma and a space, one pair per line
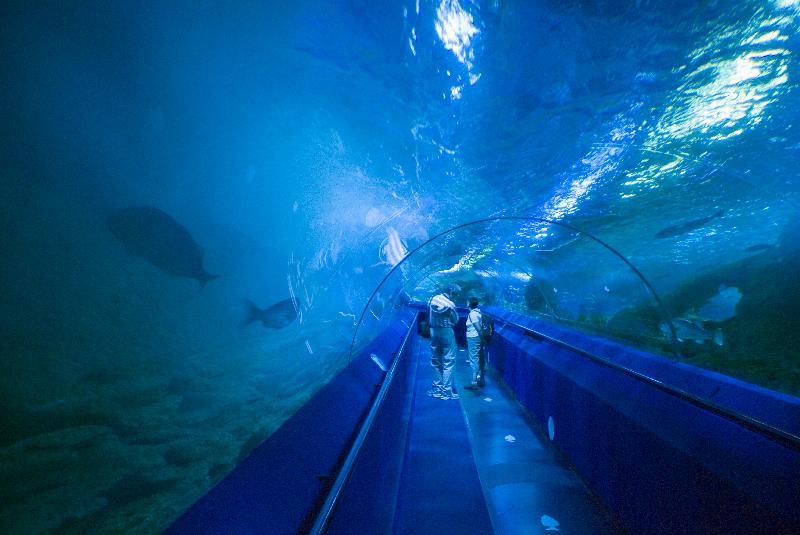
486, 329
423, 328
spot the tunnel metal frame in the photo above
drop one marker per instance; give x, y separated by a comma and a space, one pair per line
662, 307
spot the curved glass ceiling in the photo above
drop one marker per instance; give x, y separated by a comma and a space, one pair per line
300, 152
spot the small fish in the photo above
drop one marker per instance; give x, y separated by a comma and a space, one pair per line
683, 228
276, 316
693, 329
759, 247
393, 249
550, 523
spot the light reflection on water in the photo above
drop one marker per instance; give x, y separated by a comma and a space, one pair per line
725, 91
456, 30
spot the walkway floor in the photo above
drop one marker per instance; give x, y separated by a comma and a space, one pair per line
440, 491
527, 485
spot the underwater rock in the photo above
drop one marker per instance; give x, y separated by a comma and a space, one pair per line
135, 486
48, 474
64, 509
154, 235
198, 409
761, 340
722, 306
20, 423
179, 456
180, 384
540, 296
78, 524
103, 377
136, 393
218, 470
635, 323
73, 437
252, 443
197, 402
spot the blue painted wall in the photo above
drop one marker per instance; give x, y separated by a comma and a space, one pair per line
368, 501
280, 486
660, 463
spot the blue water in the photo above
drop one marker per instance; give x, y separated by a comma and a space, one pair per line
308, 148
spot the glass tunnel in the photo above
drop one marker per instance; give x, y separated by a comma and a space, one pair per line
223, 223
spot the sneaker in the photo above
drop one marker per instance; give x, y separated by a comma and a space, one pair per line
453, 395
432, 392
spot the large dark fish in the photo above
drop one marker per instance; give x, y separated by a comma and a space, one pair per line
155, 236
683, 228
276, 316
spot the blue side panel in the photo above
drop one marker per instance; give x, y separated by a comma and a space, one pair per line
367, 504
659, 462
279, 486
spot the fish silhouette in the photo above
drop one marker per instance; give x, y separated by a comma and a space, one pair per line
683, 228
759, 247
154, 235
276, 316
550, 523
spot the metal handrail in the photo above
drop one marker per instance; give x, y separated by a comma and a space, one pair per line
775, 434
332, 500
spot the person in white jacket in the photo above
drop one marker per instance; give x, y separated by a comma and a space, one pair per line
474, 324
442, 317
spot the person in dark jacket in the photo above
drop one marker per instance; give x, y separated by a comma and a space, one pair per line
442, 318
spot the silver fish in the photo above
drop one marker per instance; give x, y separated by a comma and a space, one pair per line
683, 228
693, 329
